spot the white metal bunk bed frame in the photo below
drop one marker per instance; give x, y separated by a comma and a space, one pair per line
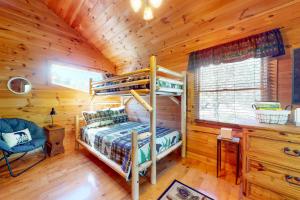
154, 90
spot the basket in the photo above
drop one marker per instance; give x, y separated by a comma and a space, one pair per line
272, 116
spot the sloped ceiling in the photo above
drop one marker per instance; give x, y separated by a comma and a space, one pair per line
179, 26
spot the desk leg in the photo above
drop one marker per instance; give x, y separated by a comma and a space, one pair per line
219, 157
237, 164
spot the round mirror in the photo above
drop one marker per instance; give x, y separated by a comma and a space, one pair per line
19, 85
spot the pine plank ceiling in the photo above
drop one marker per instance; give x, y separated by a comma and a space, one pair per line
179, 26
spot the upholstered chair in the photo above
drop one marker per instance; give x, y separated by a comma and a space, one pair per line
38, 141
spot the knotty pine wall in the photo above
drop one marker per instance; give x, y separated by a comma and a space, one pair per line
201, 138
168, 112
31, 35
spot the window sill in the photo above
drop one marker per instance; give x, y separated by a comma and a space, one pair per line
252, 125
218, 124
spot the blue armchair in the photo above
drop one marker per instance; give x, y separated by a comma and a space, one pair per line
38, 141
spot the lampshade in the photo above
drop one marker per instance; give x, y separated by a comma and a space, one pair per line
155, 3
53, 112
136, 5
148, 15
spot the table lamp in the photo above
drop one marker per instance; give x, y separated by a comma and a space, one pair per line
52, 113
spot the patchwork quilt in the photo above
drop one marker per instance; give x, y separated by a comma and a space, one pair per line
115, 142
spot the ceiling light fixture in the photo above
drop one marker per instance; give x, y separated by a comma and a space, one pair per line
148, 14
136, 5
148, 5
155, 3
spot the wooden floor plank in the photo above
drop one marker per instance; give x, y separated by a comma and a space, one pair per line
77, 175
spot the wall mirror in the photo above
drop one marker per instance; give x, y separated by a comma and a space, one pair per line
19, 85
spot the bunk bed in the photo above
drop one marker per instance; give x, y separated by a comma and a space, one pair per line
153, 81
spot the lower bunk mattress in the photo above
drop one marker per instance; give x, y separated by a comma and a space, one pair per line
115, 142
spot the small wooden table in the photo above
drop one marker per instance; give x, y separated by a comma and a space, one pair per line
236, 142
55, 137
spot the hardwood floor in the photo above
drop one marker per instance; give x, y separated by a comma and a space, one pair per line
77, 175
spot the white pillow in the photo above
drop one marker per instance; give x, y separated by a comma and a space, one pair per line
17, 138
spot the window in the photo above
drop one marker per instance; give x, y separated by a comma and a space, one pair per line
72, 76
226, 92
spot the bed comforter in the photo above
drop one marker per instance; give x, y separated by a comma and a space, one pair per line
115, 142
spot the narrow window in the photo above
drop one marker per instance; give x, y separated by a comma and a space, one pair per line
73, 77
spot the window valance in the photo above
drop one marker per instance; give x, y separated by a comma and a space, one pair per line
267, 44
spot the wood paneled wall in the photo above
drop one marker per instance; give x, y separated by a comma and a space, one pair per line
30, 36
180, 27
168, 112
204, 135
285, 80
201, 138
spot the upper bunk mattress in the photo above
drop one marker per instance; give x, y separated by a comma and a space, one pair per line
115, 141
160, 82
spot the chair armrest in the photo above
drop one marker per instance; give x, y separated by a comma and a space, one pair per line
4, 146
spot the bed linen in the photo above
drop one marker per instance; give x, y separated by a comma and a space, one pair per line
115, 142
159, 82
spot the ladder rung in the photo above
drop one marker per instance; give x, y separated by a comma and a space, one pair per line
145, 165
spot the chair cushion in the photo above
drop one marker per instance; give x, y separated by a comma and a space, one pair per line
17, 138
29, 146
9, 125
14, 124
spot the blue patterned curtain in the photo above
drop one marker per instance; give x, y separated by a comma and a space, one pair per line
267, 44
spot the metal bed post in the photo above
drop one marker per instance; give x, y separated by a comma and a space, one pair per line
153, 117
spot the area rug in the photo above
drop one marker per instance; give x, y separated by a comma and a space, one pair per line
180, 191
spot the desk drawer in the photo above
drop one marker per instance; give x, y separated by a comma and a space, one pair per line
278, 152
55, 136
256, 192
279, 180
274, 135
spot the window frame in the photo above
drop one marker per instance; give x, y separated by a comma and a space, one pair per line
69, 65
235, 123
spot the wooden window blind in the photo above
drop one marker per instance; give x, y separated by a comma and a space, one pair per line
226, 92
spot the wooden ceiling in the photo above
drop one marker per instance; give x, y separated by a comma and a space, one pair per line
179, 26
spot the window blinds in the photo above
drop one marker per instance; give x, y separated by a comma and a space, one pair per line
226, 92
